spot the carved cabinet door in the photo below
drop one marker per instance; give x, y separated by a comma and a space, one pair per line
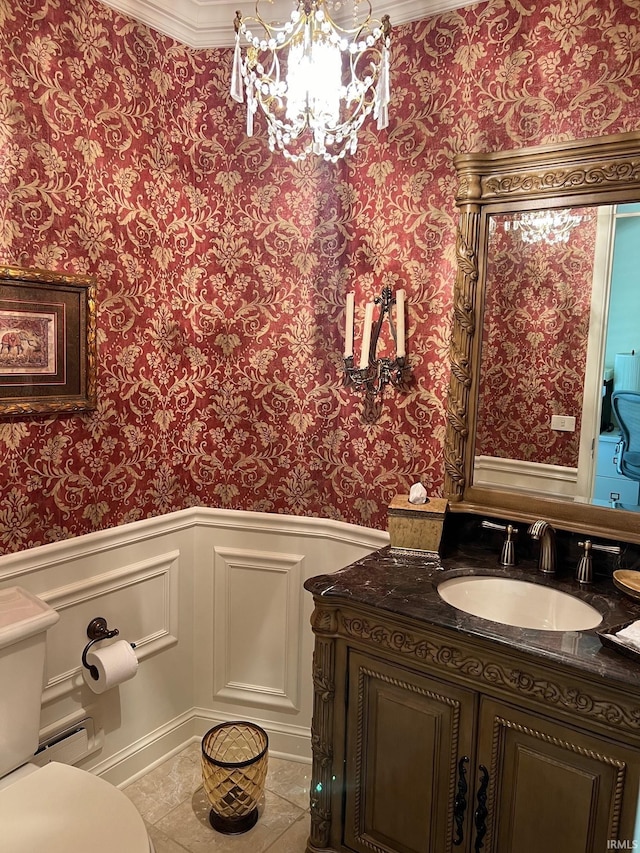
552, 787
409, 756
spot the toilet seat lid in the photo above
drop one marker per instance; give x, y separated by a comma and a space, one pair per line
62, 809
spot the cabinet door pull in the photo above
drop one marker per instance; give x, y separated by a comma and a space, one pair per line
480, 816
460, 802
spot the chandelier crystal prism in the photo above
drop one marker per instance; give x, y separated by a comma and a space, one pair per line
315, 81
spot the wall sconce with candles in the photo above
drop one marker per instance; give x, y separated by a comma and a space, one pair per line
372, 373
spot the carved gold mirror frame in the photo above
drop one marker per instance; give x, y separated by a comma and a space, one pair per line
566, 174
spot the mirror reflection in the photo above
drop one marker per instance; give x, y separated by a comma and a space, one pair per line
560, 341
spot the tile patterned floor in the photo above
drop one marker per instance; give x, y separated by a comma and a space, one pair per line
174, 806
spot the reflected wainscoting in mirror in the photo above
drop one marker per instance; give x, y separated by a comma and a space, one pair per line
534, 297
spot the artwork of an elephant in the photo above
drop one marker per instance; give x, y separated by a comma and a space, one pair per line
17, 343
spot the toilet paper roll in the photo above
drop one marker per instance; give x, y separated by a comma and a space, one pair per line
114, 664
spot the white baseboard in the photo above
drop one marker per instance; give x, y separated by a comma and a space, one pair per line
126, 766
138, 758
290, 742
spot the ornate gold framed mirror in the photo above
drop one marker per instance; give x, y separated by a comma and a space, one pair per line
534, 345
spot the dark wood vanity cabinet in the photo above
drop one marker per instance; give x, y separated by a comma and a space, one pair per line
426, 742
551, 786
405, 735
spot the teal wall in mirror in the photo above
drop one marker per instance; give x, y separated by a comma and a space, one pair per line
623, 327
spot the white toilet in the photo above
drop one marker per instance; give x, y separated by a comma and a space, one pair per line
57, 808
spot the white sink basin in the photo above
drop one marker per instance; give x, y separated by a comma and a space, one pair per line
519, 603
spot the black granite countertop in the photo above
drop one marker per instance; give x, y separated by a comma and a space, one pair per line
405, 584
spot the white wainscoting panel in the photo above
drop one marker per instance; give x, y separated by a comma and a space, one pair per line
140, 600
215, 602
256, 627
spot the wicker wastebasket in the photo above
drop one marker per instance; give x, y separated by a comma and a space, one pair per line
234, 769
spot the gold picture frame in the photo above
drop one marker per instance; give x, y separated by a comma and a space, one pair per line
47, 342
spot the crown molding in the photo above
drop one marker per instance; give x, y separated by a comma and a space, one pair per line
209, 23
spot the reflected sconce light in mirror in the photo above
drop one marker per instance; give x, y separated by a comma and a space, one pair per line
373, 373
314, 80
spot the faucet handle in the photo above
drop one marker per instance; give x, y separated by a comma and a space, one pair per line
508, 553
584, 571
610, 549
491, 525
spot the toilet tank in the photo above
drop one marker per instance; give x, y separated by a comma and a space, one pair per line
24, 620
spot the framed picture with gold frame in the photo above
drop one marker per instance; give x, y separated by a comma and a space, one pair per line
47, 342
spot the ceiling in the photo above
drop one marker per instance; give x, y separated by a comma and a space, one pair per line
209, 23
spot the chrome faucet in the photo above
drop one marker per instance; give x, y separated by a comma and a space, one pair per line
545, 534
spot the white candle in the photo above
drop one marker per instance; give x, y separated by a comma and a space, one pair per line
366, 336
401, 349
348, 333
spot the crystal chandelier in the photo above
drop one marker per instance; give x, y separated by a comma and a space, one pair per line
315, 81
544, 226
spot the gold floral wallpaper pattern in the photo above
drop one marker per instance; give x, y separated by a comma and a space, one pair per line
222, 270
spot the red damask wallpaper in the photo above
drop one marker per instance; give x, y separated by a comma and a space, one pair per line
222, 270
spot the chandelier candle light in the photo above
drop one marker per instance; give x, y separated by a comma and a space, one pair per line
315, 81
373, 373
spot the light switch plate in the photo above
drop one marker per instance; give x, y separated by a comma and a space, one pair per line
563, 423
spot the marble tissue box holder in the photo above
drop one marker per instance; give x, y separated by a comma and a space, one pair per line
416, 527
